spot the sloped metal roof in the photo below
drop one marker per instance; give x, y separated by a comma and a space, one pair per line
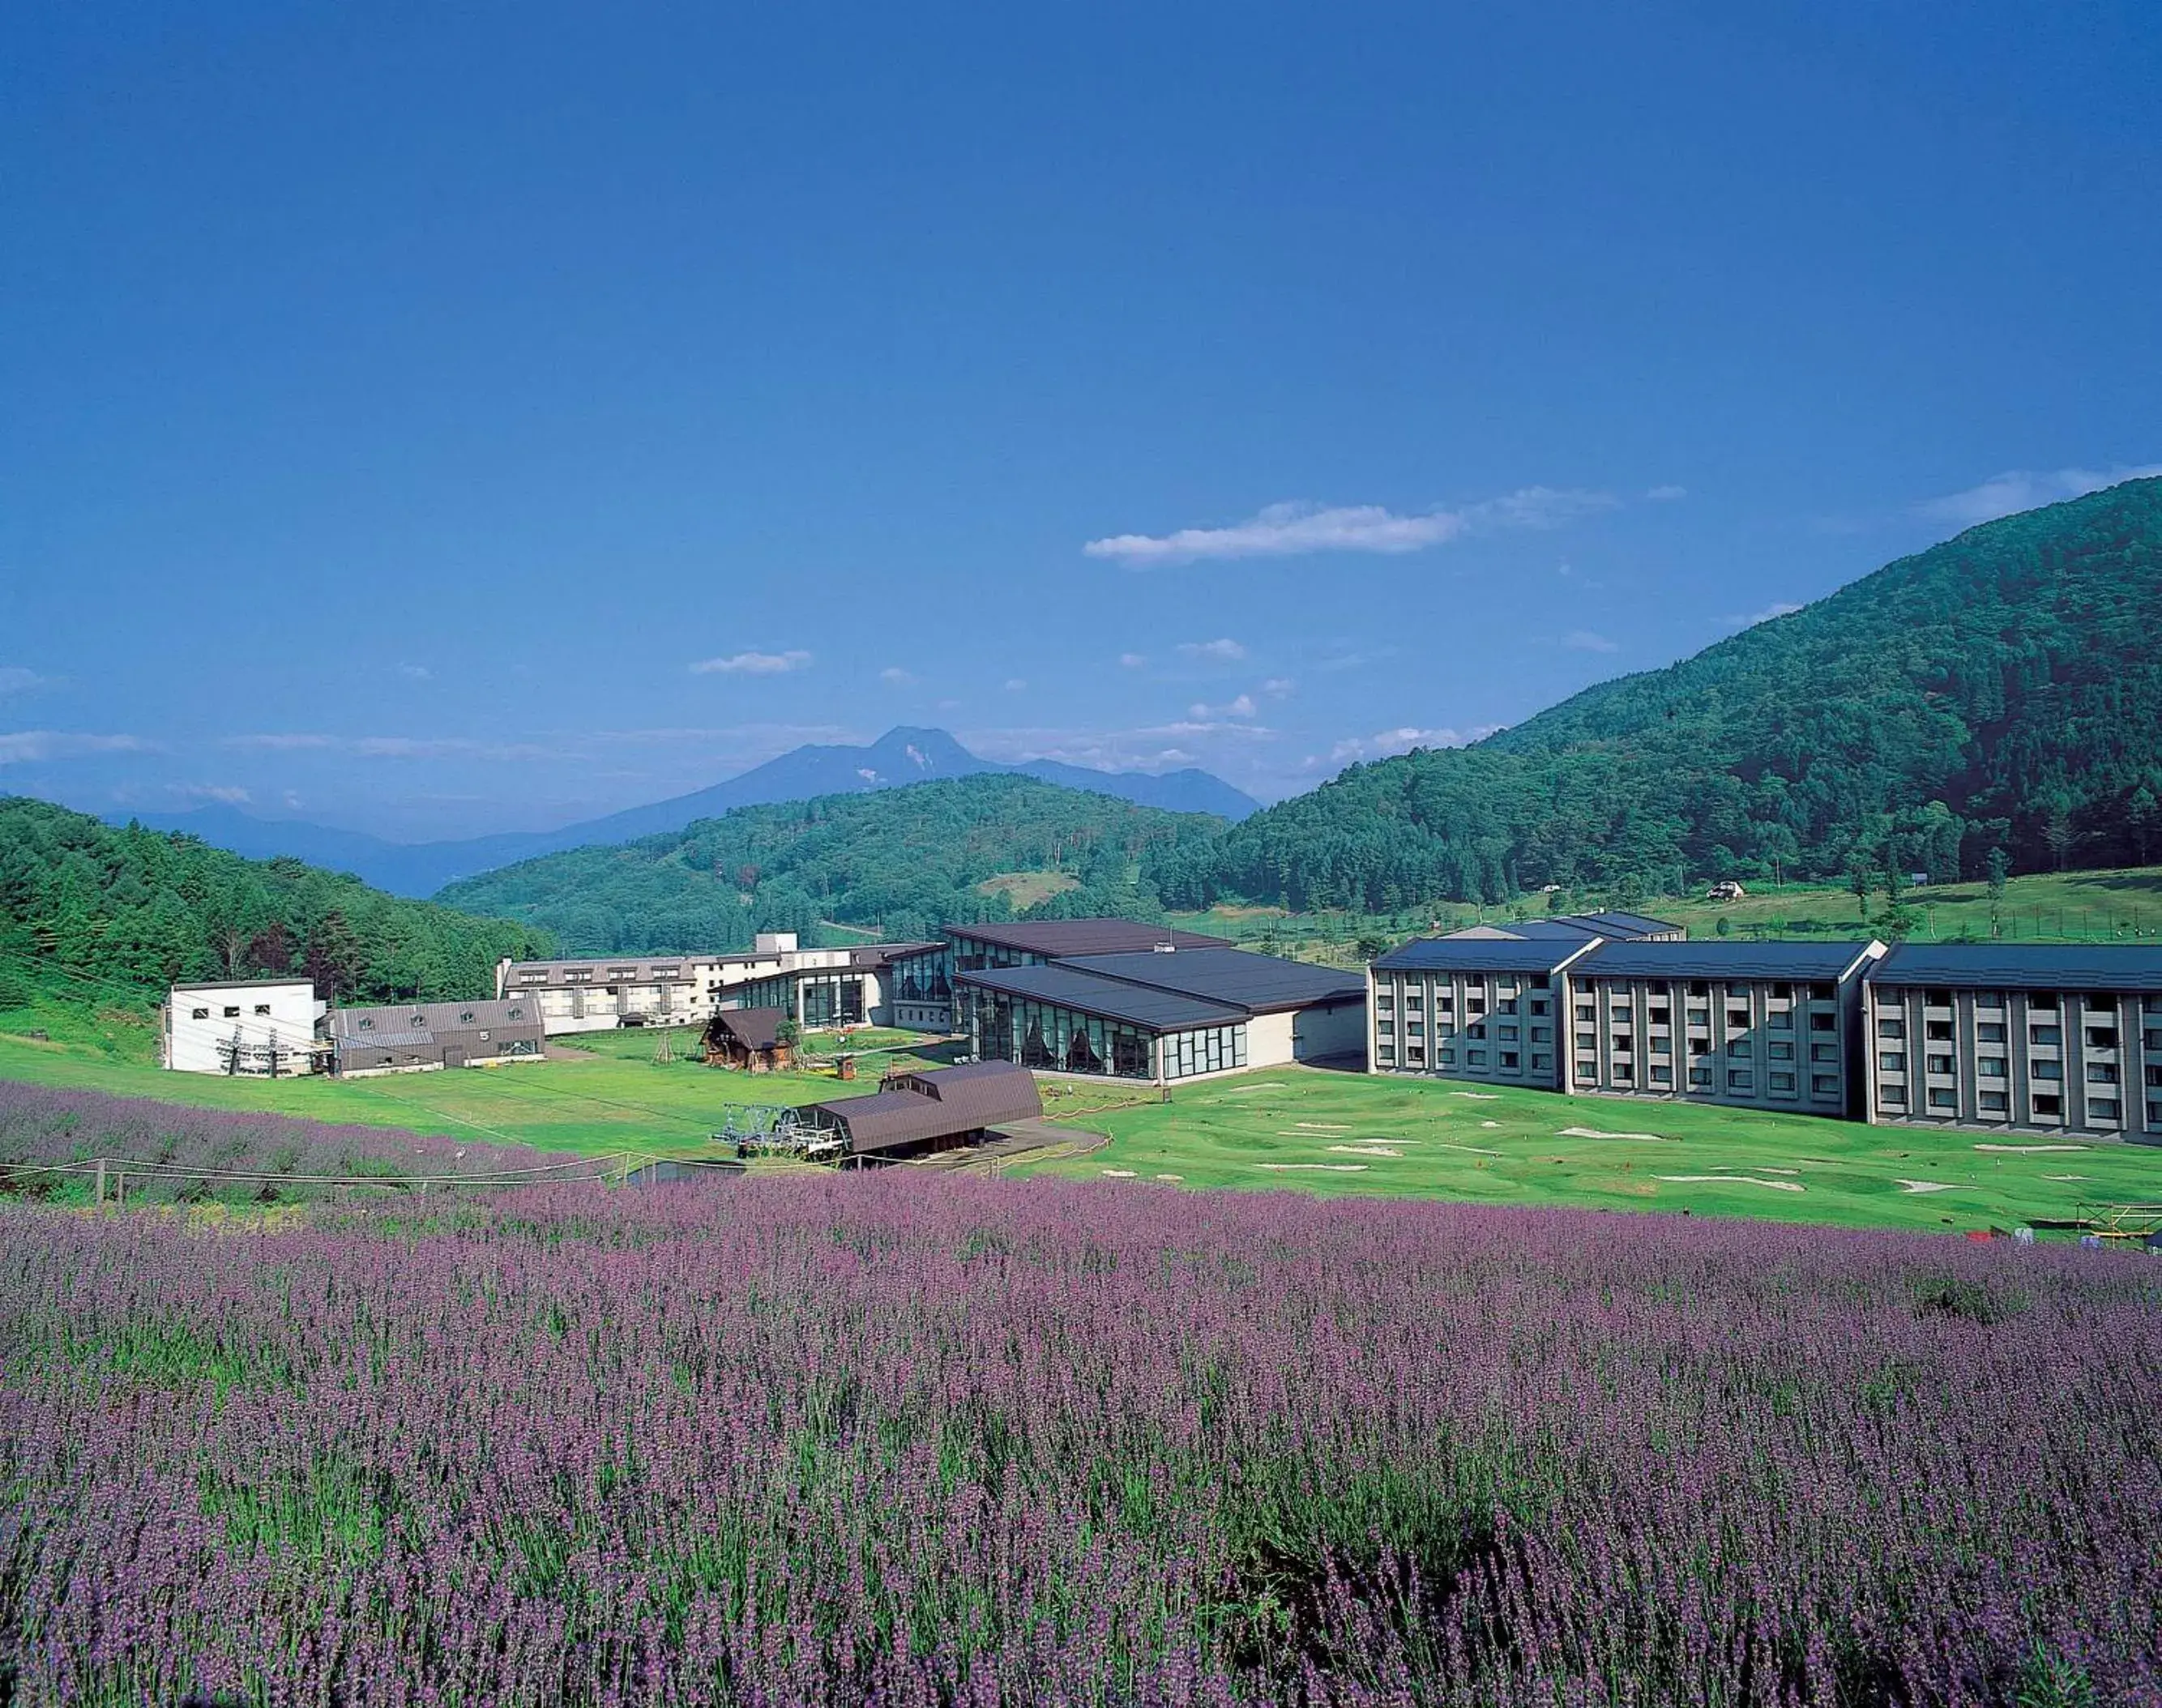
1716, 959
1068, 986
1458, 954
2135, 967
1237, 978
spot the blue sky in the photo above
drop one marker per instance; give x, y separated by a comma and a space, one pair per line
439, 420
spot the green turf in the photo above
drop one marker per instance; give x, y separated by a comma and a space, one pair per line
1462, 1141
611, 1097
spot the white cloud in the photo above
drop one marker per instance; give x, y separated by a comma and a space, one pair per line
293, 799
281, 742
894, 676
1242, 707
1225, 651
1667, 495
14, 679
2023, 489
1292, 529
1584, 640
753, 664
417, 672
1133, 660
38, 746
1778, 608
1384, 743
230, 794
1014, 685
1278, 687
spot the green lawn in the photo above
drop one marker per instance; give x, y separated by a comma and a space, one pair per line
611, 1097
1352, 1135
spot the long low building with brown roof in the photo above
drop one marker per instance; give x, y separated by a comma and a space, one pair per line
930, 1108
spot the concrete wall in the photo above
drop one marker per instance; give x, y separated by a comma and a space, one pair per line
1498, 1028
201, 1026
1337, 1031
1956, 1057
1269, 1041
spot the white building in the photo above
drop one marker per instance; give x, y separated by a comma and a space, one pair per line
262, 1026
816, 987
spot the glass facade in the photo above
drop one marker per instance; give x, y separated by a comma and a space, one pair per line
924, 978
1043, 1034
973, 955
811, 1000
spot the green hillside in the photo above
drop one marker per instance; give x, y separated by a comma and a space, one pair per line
907, 860
90, 914
1996, 697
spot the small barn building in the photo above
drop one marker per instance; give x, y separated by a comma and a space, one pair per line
413, 1038
930, 1109
748, 1039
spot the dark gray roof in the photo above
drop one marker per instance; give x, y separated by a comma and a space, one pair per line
408, 1023
1719, 960
1473, 954
247, 983
1068, 986
754, 1028
1558, 928
1059, 938
1237, 978
2020, 966
1614, 924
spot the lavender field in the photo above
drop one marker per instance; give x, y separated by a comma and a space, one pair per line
203, 1155
877, 1439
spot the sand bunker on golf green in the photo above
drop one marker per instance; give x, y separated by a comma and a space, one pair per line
1732, 1180
1595, 1133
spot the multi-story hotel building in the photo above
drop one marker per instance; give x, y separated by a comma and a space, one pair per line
2046, 1038
1473, 1008
1755, 1024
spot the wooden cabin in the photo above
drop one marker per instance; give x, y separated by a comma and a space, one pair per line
748, 1039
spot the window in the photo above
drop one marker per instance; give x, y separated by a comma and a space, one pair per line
1738, 1047
1824, 1084
1699, 1046
1992, 1101
2099, 1037
1587, 1011
2046, 1070
1619, 1010
2102, 1109
1938, 1064
1824, 1022
1475, 1058
1939, 1031
1539, 1005
1541, 1034
1824, 1052
1623, 1045
1891, 1028
1943, 1097
1780, 1020
1624, 1074
1385, 999
1738, 1019
1662, 1044
1698, 988
1508, 1058
1739, 1079
1586, 1073
2101, 1072
232, 1014
1939, 999
1699, 1016
1991, 1067
1700, 1076
1442, 1004
1778, 1052
1821, 993
1782, 993
2044, 1034
1662, 1014
1416, 1001
1475, 1032
1417, 1028
2048, 1102
1415, 1054
1892, 1094
1587, 1040
198, 1014
1989, 999
1387, 1028
2043, 1001
1506, 1034
2103, 1000
1661, 1075
1990, 1032
1781, 1082
263, 1008
1541, 1064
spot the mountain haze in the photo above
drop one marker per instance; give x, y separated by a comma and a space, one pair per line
900, 756
2000, 691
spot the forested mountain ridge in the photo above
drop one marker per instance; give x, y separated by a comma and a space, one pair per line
907, 860
2000, 691
89, 910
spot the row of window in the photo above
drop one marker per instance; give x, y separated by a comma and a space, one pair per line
2047, 1106
2105, 1002
1990, 1031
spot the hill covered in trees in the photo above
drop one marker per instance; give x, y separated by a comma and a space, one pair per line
89, 910
1994, 700
905, 860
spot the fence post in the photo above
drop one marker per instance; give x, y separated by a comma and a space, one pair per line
101, 1180
120, 1188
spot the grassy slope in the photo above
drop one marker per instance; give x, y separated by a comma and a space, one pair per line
1509, 1147
2098, 906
